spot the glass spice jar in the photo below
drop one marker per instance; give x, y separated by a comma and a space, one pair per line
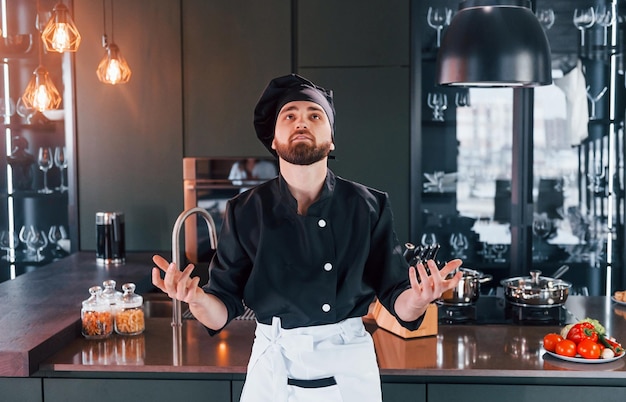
129, 317
109, 294
96, 316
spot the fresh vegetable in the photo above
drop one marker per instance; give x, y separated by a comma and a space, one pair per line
596, 324
610, 343
607, 353
565, 348
584, 339
581, 331
588, 349
550, 341
566, 329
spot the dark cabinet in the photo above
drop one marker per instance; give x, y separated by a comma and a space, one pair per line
69, 390
360, 50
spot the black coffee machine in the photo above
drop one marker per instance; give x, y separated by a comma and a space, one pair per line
110, 239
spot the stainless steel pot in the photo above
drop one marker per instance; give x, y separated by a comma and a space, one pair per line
536, 290
467, 290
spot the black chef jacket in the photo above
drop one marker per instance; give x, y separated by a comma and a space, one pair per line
313, 269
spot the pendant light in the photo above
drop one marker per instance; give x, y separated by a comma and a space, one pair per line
41, 93
113, 68
60, 33
494, 43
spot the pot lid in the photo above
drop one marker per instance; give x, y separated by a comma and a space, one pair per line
535, 282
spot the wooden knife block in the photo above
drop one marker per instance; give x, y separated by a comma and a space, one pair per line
384, 319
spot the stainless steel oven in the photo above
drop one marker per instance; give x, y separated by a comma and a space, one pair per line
209, 183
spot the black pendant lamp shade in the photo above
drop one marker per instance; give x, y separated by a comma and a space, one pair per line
494, 43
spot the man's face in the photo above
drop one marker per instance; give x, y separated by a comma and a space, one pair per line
303, 133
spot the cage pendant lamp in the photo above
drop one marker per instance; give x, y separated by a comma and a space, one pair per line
113, 68
494, 43
40, 93
60, 33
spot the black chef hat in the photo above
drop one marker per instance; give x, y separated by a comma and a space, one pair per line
281, 91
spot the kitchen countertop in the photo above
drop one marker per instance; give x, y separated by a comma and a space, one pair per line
457, 351
49, 301
41, 309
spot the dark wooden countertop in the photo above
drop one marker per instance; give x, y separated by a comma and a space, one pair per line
41, 309
41, 334
459, 351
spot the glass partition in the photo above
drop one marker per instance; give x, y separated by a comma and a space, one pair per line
466, 148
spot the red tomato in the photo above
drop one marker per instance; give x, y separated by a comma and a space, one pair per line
550, 341
589, 349
565, 348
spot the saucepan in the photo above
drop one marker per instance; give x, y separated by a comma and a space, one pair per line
467, 290
537, 290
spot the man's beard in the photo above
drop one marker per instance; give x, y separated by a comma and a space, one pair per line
303, 153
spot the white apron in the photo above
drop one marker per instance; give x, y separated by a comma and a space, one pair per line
330, 363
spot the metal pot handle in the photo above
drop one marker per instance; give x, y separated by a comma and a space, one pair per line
485, 278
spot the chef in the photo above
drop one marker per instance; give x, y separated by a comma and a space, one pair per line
308, 252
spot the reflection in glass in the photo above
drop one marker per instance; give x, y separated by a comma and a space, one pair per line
484, 135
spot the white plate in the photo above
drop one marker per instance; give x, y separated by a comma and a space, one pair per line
583, 360
617, 301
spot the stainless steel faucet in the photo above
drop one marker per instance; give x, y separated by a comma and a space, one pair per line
177, 319
176, 254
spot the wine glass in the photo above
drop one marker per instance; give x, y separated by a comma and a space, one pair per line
439, 103
584, 18
461, 99
605, 17
437, 19
546, 17
60, 161
56, 234
45, 163
500, 249
597, 179
593, 100
429, 239
23, 237
24, 111
37, 241
42, 18
7, 107
8, 242
542, 226
459, 243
